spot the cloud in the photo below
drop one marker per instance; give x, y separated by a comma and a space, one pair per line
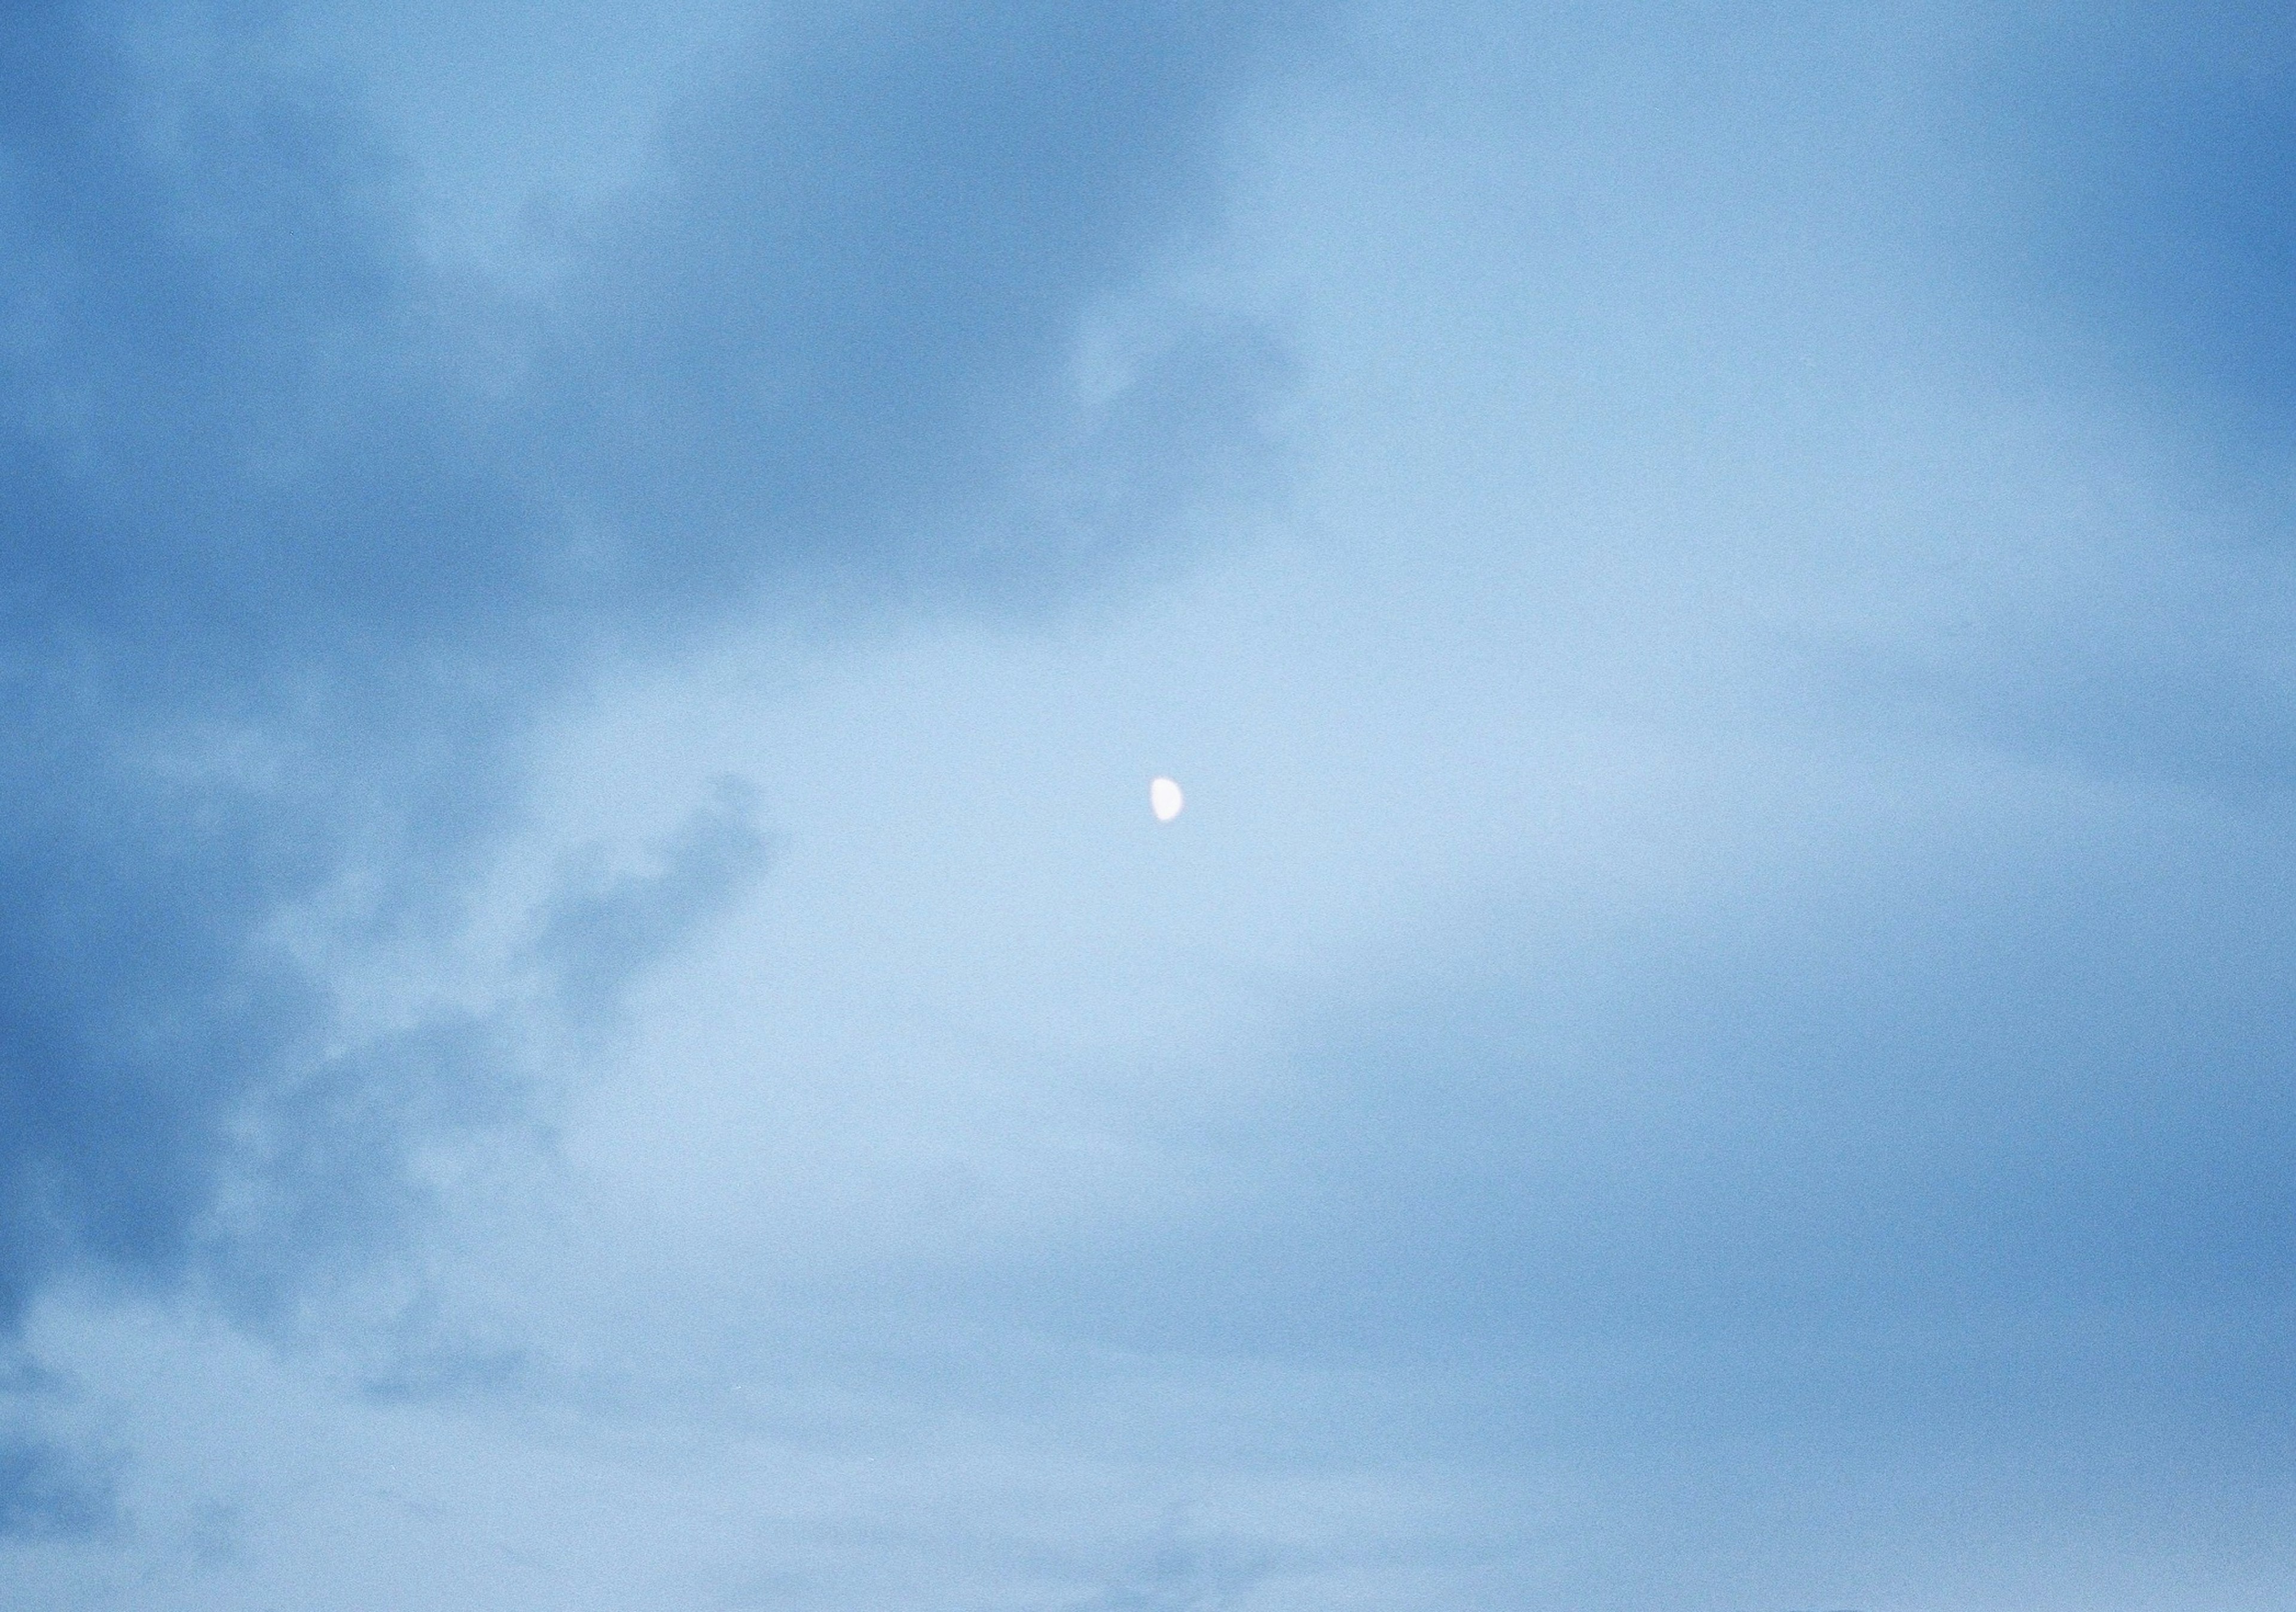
1862, 1049
46, 1492
289, 572
598, 928
1177, 1576
48, 1489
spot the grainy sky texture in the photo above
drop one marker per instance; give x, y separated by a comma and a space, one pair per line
591, 1011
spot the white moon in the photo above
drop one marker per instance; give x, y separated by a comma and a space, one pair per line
1164, 799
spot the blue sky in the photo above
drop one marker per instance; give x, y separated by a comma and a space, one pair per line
595, 1014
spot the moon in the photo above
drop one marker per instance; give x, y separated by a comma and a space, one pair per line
1164, 799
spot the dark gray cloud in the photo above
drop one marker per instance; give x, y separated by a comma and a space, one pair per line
286, 577
863, 278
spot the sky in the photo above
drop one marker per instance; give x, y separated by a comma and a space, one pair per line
592, 1013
